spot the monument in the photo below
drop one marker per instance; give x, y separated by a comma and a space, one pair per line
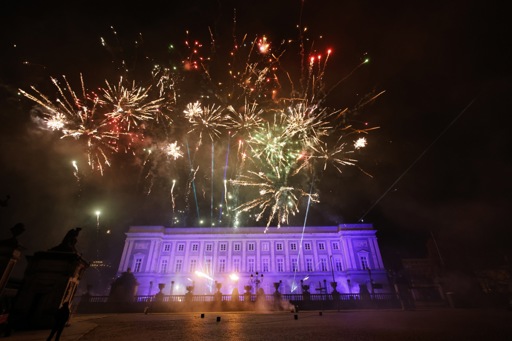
50, 279
124, 288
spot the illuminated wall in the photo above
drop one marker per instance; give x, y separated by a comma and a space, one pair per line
347, 254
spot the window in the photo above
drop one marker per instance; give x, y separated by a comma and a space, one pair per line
364, 262
265, 265
335, 246
295, 265
280, 265
222, 265
323, 264
321, 246
179, 265
307, 246
195, 247
181, 247
167, 247
309, 264
193, 265
250, 265
337, 264
251, 246
264, 246
138, 265
293, 246
223, 246
279, 246
208, 265
209, 247
236, 265
237, 246
163, 266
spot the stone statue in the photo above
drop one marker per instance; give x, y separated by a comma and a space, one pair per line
68, 244
124, 288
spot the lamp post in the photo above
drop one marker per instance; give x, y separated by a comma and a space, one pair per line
97, 234
256, 279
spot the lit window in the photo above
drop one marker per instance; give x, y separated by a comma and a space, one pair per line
309, 264
295, 265
222, 265
236, 265
179, 265
250, 265
264, 246
265, 265
364, 262
280, 265
337, 264
138, 265
250, 246
167, 247
193, 265
279, 246
323, 264
163, 266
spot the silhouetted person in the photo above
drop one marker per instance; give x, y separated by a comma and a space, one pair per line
61, 317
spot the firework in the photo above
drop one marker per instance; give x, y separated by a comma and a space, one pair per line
129, 107
76, 116
256, 100
275, 197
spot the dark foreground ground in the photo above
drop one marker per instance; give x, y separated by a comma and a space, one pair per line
426, 324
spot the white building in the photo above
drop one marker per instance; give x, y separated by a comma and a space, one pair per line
347, 254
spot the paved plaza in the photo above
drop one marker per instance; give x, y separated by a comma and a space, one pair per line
421, 324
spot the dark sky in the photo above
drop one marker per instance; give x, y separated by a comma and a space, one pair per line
440, 160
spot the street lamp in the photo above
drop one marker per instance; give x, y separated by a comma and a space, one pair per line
97, 234
256, 279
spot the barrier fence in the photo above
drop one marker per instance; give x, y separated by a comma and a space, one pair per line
243, 302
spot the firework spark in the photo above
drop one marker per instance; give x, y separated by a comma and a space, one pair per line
129, 107
77, 117
285, 135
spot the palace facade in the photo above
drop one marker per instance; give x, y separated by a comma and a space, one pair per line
345, 257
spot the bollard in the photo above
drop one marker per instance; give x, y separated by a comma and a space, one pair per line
320, 313
296, 317
218, 318
202, 316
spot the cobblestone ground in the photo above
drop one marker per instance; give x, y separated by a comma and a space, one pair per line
436, 324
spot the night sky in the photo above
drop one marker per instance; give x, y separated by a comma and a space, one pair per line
440, 161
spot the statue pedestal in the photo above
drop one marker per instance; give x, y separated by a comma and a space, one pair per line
124, 288
10, 253
51, 278
9, 256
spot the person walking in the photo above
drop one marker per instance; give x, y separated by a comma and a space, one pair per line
61, 317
